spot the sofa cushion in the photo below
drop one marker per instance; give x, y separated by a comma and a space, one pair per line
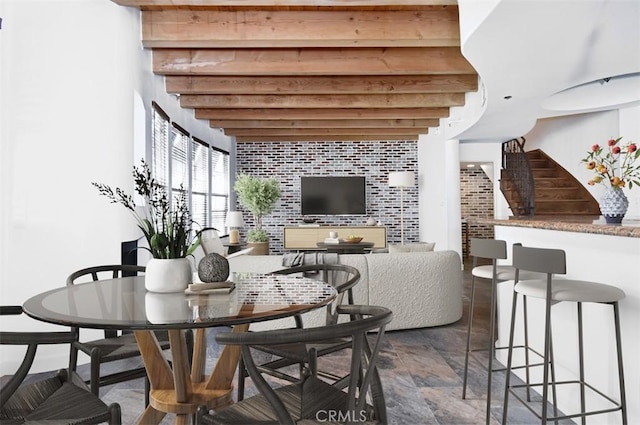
412, 247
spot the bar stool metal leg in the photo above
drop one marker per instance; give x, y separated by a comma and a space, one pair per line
469, 326
623, 398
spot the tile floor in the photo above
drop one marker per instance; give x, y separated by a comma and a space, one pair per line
421, 370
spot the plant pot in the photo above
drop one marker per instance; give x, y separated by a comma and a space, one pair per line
259, 248
613, 205
167, 275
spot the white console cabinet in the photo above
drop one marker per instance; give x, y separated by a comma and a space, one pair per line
306, 237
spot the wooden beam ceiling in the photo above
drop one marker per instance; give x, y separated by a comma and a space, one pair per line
310, 69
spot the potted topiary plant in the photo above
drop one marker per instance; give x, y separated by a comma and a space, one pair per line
259, 196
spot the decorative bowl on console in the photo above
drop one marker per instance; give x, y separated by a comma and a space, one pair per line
353, 239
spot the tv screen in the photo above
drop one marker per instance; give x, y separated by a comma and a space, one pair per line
334, 195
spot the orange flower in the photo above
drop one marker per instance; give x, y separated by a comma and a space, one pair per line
615, 165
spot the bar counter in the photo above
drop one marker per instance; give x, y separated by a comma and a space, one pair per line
629, 228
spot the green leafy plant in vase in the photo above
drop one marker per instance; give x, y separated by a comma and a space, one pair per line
168, 231
259, 196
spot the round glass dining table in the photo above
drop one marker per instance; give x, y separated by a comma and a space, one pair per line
124, 303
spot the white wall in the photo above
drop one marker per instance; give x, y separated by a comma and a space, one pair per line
76, 93
439, 192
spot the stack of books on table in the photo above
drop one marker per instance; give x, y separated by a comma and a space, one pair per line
332, 240
210, 288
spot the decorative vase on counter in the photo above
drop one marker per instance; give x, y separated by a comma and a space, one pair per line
167, 275
613, 205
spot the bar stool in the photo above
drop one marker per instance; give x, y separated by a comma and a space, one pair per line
553, 261
489, 249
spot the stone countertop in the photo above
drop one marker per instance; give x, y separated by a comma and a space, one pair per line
629, 227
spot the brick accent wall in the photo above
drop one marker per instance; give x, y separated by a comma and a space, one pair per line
476, 200
288, 161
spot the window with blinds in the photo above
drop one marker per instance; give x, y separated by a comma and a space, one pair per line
160, 145
219, 189
200, 172
188, 165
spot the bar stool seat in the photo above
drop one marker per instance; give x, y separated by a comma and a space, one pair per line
571, 290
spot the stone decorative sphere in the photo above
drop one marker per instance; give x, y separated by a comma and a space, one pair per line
213, 268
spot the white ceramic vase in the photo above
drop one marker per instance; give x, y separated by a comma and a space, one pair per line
167, 275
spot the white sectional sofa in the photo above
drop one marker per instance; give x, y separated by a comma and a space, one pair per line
422, 289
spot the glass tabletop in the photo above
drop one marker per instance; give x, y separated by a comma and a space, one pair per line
124, 303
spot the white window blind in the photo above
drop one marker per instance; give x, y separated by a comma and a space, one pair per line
200, 182
160, 145
219, 189
179, 163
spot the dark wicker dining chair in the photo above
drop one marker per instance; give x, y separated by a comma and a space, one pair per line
343, 278
116, 345
313, 400
59, 399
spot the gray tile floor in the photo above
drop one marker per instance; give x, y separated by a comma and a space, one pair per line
421, 370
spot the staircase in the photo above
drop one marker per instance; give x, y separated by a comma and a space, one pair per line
556, 191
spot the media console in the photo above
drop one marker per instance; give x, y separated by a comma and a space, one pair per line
307, 237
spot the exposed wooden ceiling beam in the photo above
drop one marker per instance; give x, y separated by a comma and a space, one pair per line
220, 27
362, 61
322, 138
282, 3
320, 114
338, 124
322, 101
322, 84
320, 131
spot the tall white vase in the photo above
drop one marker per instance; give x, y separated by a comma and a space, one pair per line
167, 275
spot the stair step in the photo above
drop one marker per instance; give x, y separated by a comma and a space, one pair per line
556, 193
545, 172
540, 163
565, 206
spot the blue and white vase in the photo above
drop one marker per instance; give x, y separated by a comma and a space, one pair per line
613, 205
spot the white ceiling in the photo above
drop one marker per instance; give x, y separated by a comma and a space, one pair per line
532, 49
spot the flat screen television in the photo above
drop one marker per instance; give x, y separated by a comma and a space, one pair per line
333, 195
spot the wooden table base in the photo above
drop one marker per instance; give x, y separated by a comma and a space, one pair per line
179, 390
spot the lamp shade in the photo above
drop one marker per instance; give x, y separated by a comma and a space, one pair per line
234, 219
401, 179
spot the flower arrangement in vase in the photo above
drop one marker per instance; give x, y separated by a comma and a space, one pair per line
615, 167
168, 230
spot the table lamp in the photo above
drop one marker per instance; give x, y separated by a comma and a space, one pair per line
234, 222
401, 179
